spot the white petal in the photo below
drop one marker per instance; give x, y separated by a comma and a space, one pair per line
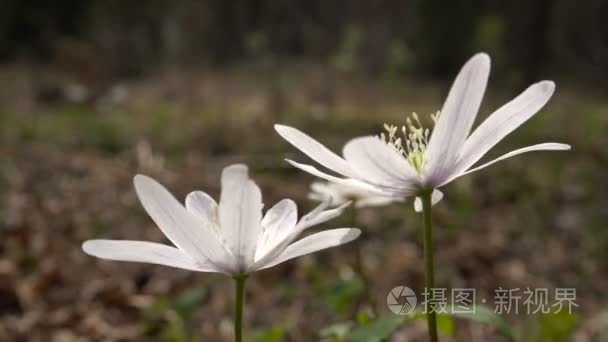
320, 215
183, 229
418, 204
318, 210
338, 194
504, 121
379, 163
357, 184
323, 190
141, 251
436, 196
315, 196
202, 205
316, 216
321, 187
283, 214
375, 201
538, 147
315, 150
240, 213
457, 116
314, 243
277, 224
327, 191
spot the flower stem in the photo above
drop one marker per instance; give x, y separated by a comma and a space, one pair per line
428, 262
238, 306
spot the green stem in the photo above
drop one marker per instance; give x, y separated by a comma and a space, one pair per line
428, 262
238, 306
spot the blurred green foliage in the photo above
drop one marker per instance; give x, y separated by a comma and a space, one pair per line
556, 326
385, 326
275, 333
169, 319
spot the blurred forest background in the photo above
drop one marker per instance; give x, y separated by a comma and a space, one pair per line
93, 92
107, 39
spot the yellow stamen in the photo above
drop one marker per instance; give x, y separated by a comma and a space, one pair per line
416, 139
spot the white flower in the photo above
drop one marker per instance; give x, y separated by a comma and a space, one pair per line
230, 238
339, 194
402, 163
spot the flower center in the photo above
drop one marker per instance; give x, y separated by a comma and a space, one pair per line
410, 139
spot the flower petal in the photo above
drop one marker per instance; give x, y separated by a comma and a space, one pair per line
315, 150
538, 147
376, 201
278, 222
502, 122
202, 205
283, 214
314, 243
379, 163
240, 213
457, 116
436, 196
183, 229
142, 251
343, 181
316, 216
320, 215
329, 191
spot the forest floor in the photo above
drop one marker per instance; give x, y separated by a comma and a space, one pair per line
68, 155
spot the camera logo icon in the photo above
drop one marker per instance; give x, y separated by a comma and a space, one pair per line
401, 300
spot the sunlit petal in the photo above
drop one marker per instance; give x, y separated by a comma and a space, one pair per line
538, 147
436, 196
457, 116
313, 149
378, 162
504, 121
147, 252
314, 243
278, 223
344, 181
184, 229
202, 205
240, 213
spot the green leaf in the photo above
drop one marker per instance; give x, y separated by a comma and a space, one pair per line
557, 326
445, 324
486, 315
362, 318
276, 333
377, 330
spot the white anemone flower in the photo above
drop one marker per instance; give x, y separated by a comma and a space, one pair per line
403, 162
339, 194
231, 237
